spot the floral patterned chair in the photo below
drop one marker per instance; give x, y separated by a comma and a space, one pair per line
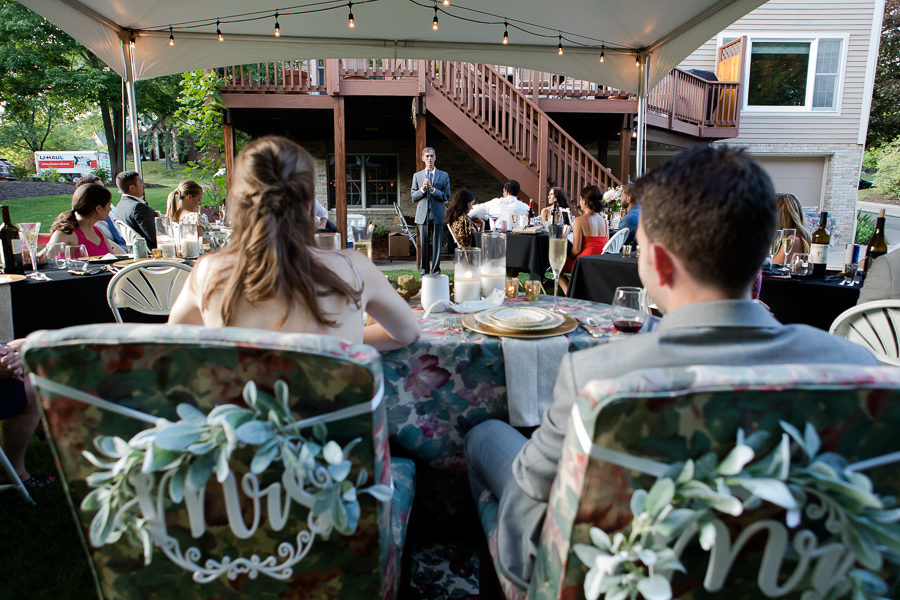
236, 462
627, 433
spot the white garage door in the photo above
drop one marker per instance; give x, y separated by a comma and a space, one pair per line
798, 175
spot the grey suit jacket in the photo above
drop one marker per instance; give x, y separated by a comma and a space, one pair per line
437, 198
883, 280
734, 332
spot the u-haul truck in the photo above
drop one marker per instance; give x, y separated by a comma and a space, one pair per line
71, 165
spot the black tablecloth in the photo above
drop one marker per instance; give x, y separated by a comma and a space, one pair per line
596, 277
813, 302
526, 252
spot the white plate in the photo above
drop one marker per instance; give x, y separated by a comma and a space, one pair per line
520, 318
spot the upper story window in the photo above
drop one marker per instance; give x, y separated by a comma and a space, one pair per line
793, 74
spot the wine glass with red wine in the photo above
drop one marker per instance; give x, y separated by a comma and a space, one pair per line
630, 309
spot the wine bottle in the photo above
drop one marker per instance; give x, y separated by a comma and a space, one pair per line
530, 210
878, 244
818, 249
11, 246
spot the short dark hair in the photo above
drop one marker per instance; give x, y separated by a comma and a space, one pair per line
714, 208
512, 187
126, 179
87, 180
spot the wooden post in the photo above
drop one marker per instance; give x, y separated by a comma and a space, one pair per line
228, 132
543, 160
625, 149
421, 142
340, 168
332, 76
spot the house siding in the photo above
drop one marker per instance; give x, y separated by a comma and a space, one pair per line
835, 134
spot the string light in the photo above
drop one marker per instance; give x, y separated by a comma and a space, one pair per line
171, 37
559, 48
446, 2
637, 61
505, 33
350, 22
434, 21
277, 26
602, 56
219, 32
131, 41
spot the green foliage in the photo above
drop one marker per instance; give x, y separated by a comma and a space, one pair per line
52, 175
214, 194
884, 119
888, 176
20, 171
381, 231
795, 476
102, 173
870, 159
865, 227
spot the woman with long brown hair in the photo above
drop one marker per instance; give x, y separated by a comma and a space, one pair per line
790, 216
90, 205
272, 276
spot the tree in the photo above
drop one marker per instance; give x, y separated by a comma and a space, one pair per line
884, 119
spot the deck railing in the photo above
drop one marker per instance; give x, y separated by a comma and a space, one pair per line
516, 122
683, 96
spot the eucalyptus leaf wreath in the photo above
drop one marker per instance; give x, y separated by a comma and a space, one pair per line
640, 560
180, 457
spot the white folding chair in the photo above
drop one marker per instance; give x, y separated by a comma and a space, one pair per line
875, 325
615, 243
403, 222
128, 234
149, 286
15, 482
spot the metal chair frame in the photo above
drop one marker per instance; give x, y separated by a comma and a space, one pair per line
409, 230
152, 287
875, 325
615, 243
15, 482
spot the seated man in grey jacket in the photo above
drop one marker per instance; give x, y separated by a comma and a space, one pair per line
707, 220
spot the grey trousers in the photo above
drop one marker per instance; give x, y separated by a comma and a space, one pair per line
490, 449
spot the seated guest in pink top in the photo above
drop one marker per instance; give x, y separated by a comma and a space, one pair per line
90, 205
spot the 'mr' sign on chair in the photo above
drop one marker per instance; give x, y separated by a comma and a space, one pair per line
208, 462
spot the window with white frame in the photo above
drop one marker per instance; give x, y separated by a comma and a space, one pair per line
371, 180
794, 74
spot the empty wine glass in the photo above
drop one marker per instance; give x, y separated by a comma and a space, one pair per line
56, 255
557, 258
631, 309
76, 258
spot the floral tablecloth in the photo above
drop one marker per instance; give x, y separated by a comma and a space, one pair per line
451, 380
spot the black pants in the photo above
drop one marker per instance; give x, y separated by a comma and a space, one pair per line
433, 232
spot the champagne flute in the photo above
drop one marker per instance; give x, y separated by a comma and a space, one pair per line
77, 258
630, 309
787, 243
773, 248
28, 233
557, 261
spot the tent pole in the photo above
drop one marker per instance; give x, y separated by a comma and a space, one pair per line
640, 161
132, 108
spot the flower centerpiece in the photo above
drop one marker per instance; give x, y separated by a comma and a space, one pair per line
613, 199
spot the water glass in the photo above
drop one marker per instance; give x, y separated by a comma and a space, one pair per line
76, 258
56, 255
631, 309
467, 275
800, 265
328, 241
493, 262
626, 250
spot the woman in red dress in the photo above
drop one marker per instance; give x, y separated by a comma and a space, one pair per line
590, 230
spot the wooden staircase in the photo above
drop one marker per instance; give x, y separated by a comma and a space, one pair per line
506, 132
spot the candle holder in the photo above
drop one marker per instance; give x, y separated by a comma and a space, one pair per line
532, 290
467, 275
493, 265
512, 287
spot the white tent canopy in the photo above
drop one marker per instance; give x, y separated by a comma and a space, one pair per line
623, 30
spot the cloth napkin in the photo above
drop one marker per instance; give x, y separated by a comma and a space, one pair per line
495, 299
531, 369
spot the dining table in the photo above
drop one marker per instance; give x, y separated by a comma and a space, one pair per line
452, 378
815, 302
525, 252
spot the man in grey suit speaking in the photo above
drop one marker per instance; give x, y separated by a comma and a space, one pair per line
707, 220
432, 186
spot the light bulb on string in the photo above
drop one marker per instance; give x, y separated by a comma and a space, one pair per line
219, 32
350, 22
637, 61
171, 37
602, 55
434, 21
131, 41
446, 2
559, 48
505, 33
277, 26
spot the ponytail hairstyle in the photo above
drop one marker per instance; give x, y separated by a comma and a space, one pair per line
272, 244
593, 198
175, 201
85, 201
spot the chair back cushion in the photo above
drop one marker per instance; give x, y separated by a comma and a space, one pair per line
155, 368
671, 415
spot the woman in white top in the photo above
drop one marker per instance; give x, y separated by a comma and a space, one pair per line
272, 276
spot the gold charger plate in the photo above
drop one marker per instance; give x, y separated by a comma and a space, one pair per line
4, 278
131, 261
100, 260
569, 324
